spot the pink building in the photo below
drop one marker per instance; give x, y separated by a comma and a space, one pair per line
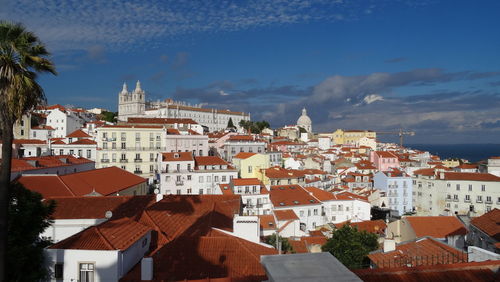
384, 160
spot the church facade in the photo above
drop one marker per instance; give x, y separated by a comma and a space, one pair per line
133, 104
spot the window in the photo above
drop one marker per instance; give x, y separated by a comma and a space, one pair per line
308, 212
123, 136
315, 211
189, 177
151, 168
189, 167
61, 152
470, 187
467, 198
483, 187
223, 179
105, 145
250, 169
216, 179
178, 191
189, 191
458, 187
86, 272
89, 154
178, 167
479, 199
200, 192
71, 152
79, 152
124, 145
455, 197
201, 179
58, 271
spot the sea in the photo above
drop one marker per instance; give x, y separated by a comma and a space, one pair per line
471, 152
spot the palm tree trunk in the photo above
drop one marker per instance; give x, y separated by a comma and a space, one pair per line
7, 137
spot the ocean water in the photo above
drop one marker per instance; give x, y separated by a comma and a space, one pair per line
470, 152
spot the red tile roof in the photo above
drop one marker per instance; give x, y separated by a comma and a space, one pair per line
419, 252
436, 226
22, 164
283, 215
320, 194
161, 120
267, 222
279, 172
216, 255
241, 138
178, 157
29, 141
385, 154
58, 142
246, 181
117, 234
42, 127
78, 134
96, 207
209, 160
471, 176
105, 181
244, 155
468, 271
489, 223
290, 195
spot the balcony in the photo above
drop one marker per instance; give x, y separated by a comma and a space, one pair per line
104, 160
455, 200
467, 200
138, 171
479, 201
124, 160
448, 199
488, 202
124, 139
137, 160
179, 182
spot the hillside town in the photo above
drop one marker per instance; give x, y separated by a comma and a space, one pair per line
170, 191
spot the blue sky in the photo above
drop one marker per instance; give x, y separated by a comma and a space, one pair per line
429, 66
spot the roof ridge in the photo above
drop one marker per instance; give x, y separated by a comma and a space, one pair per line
65, 185
285, 225
104, 238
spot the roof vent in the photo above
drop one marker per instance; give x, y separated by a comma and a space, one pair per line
296, 202
282, 204
282, 188
176, 155
312, 201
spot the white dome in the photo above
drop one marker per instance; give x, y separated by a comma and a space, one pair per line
304, 120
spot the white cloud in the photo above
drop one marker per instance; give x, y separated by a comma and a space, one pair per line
222, 93
76, 24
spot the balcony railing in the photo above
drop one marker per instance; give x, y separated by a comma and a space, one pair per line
179, 182
138, 171
124, 160
467, 200
479, 201
137, 160
488, 202
104, 160
455, 200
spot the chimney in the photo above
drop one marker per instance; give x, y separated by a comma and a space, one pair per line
389, 245
147, 269
247, 227
441, 175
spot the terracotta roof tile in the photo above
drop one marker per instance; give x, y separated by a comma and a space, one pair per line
244, 155
290, 195
83, 142
471, 176
320, 194
246, 181
418, 252
489, 223
283, 215
210, 160
267, 222
436, 226
117, 234
161, 120
78, 134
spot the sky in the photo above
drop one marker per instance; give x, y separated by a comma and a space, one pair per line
428, 66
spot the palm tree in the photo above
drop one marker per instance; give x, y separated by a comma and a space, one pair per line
22, 57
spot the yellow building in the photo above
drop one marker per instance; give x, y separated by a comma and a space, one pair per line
451, 162
350, 137
281, 176
249, 164
131, 147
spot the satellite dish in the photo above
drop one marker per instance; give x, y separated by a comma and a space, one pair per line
157, 191
108, 214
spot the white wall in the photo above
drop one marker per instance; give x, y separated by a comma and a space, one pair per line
64, 228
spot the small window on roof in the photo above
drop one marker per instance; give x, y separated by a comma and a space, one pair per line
282, 204
312, 201
271, 224
176, 156
282, 188
296, 202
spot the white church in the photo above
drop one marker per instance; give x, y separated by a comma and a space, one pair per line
133, 104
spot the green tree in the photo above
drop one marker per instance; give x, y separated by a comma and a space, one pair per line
28, 218
285, 245
261, 125
351, 246
108, 116
22, 57
230, 124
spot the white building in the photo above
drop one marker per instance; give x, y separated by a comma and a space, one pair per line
131, 104
494, 166
398, 187
183, 174
41, 132
242, 143
77, 143
304, 121
103, 256
448, 193
254, 195
64, 122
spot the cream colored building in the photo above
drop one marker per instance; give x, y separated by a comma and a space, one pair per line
22, 127
349, 137
132, 148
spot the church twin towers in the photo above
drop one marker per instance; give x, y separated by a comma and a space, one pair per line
131, 104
